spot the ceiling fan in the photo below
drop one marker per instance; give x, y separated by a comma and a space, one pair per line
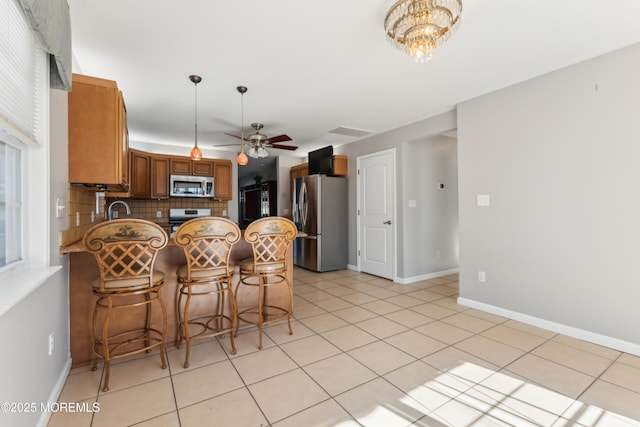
258, 142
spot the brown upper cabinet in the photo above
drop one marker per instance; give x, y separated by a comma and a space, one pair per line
159, 177
150, 174
222, 179
98, 135
186, 166
140, 176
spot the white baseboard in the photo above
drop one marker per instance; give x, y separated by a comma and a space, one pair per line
55, 393
407, 280
352, 267
604, 340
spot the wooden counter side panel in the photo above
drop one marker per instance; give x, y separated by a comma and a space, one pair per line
83, 270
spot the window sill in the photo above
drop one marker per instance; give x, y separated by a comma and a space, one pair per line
17, 284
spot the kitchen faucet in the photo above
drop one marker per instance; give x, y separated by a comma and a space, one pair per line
117, 202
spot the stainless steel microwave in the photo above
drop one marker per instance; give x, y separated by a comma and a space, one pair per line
191, 186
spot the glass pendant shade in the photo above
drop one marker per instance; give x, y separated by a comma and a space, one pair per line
195, 154
242, 159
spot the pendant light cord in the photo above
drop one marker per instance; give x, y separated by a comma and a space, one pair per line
196, 91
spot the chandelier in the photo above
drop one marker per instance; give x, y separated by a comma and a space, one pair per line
419, 27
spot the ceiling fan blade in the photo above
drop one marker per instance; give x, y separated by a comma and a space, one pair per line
235, 136
226, 145
284, 147
279, 138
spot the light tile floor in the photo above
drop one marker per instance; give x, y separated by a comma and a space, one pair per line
366, 351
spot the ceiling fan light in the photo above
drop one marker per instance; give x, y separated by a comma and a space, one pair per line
253, 152
262, 152
242, 159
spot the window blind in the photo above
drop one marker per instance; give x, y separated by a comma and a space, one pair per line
21, 74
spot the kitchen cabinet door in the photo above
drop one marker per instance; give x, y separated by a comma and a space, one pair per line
140, 164
98, 136
222, 180
180, 166
159, 177
202, 168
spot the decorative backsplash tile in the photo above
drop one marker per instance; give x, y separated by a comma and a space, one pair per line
87, 208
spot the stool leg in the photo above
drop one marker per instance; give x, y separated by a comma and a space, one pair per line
290, 289
260, 308
105, 346
94, 336
235, 302
163, 362
234, 314
185, 319
179, 316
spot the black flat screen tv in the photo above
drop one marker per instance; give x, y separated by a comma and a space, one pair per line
321, 161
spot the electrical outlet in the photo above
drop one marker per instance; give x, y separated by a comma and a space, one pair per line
114, 214
93, 216
77, 219
51, 342
482, 277
224, 213
158, 214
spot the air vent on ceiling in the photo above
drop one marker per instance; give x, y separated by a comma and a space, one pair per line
344, 130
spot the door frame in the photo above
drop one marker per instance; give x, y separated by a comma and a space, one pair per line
359, 183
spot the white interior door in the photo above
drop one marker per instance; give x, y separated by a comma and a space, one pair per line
376, 213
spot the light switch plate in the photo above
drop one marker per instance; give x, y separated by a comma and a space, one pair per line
483, 200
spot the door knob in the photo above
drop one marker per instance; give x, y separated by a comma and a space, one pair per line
388, 222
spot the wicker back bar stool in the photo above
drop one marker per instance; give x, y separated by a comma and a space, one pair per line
207, 244
270, 239
125, 251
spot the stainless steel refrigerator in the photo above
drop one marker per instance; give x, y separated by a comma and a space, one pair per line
320, 211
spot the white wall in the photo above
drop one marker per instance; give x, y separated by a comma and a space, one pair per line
559, 156
29, 374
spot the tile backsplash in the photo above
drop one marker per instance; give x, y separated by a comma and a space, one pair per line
148, 209
86, 208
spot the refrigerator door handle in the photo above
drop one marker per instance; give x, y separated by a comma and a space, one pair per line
310, 237
303, 203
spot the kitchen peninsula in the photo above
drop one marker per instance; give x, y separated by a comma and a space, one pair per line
83, 269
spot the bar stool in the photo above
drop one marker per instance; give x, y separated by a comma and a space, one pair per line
207, 244
125, 251
270, 240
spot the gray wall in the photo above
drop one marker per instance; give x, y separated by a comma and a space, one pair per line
430, 229
415, 133
559, 156
29, 374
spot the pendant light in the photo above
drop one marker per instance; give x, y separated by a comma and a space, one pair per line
196, 154
242, 157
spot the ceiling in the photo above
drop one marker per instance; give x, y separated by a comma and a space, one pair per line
312, 67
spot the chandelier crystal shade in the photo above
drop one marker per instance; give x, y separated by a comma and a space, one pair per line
419, 27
